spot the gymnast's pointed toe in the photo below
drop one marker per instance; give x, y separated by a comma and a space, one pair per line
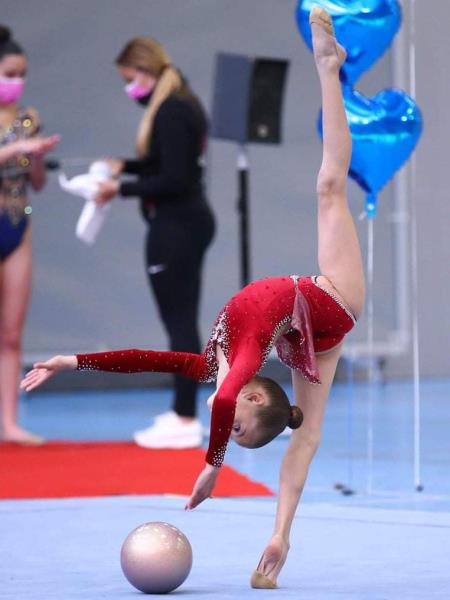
320, 16
261, 582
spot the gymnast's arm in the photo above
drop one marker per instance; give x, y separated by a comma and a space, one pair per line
37, 174
120, 361
36, 146
245, 366
11, 150
303, 445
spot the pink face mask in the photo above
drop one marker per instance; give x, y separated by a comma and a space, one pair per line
11, 89
135, 91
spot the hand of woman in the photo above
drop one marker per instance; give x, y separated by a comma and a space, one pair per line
44, 370
107, 190
203, 486
38, 146
272, 561
115, 164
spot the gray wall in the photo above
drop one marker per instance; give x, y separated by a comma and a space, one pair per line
94, 298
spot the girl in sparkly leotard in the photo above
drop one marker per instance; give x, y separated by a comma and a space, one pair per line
21, 152
306, 318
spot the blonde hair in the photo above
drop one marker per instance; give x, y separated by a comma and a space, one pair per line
148, 55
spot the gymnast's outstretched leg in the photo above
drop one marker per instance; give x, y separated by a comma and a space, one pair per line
339, 253
341, 268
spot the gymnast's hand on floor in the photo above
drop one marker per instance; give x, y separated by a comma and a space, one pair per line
203, 486
271, 562
42, 371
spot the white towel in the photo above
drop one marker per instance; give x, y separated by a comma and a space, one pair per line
93, 215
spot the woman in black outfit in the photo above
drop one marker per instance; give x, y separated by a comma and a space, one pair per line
170, 144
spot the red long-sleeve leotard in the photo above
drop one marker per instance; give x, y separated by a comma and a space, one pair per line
246, 329
243, 368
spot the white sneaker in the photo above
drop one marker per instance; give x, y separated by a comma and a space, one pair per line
170, 415
170, 431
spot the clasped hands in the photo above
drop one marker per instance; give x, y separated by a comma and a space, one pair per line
109, 189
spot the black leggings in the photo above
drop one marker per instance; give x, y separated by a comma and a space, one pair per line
175, 248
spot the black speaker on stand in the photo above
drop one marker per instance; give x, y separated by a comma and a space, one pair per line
247, 107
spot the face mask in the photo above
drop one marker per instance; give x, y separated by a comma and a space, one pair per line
135, 91
11, 89
145, 99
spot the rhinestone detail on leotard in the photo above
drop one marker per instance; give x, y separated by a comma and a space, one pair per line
14, 173
220, 335
335, 298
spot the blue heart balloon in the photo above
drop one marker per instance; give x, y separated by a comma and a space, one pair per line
385, 130
364, 27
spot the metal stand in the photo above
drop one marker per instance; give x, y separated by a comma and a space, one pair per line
370, 352
347, 489
414, 268
243, 210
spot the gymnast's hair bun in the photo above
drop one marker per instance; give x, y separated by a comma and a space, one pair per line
5, 34
295, 417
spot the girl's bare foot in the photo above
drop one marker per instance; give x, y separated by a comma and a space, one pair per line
327, 52
17, 435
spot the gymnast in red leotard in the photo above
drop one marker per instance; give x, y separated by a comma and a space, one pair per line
304, 318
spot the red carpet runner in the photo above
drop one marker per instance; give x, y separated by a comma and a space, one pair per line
62, 470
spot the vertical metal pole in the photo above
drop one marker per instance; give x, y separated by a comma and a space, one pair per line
400, 215
243, 210
414, 267
404, 76
351, 391
346, 488
370, 351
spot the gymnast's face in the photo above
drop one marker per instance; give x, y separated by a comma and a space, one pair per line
13, 65
246, 424
141, 78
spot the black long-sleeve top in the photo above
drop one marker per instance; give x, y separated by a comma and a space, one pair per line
169, 178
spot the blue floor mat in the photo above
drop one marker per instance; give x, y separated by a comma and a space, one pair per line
69, 549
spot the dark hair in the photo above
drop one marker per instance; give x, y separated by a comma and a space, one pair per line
278, 414
7, 44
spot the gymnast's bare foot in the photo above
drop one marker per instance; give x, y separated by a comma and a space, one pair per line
16, 435
328, 53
